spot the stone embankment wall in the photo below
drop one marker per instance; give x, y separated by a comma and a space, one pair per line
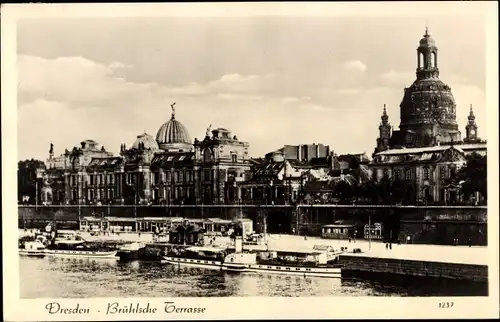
425, 225
363, 264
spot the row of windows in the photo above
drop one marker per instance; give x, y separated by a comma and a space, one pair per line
98, 194
95, 179
444, 172
178, 176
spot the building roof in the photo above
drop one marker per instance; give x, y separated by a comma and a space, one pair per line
105, 163
437, 148
147, 142
170, 159
172, 132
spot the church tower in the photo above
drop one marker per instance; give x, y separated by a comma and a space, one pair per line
471, 128
428, 109
384, 132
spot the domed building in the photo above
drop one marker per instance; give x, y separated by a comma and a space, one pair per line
146, 142
427, 151
173, 136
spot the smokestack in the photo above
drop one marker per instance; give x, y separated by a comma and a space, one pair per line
299, 154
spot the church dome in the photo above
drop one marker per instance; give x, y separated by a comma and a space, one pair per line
173, 135
428, 101
147, 142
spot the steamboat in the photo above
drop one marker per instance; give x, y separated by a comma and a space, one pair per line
71, 245
321, 261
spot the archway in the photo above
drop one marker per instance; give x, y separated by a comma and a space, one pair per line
278, 222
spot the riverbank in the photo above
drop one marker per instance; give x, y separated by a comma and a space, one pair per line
454, 262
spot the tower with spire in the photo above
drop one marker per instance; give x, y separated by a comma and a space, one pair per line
471, 128
384, 132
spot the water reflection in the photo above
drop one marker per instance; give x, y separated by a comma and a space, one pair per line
81, 278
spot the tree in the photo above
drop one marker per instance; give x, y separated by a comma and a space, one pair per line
369, 190
344, 191
473, 176
26, 179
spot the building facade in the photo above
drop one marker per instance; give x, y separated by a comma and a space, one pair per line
168, 169
427, 150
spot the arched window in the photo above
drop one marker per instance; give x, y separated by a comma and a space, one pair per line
426, 173
397, 174
408, 173
207, 155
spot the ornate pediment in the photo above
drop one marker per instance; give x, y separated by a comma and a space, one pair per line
453, 155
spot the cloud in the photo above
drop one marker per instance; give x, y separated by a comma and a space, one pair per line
355, 66
68, 99
393, 77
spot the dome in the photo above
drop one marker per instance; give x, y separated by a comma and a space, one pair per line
147, 141
173, 134
428, 101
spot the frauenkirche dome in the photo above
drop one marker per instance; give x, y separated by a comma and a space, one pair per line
428, 109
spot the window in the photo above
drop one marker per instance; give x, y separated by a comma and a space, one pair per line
91, 177
156, 177
453, 171
176, 176
169, 176
397, 173
408, 174
443, 172
386, 173
234, 158
182, 157
74, 195
426, 173
206, 175
181, 176
91, 194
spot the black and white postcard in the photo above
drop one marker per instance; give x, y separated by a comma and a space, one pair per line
250, 160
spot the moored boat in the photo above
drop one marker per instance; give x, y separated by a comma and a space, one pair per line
33, 249
195, 256
79, 248
131, 251
303, 264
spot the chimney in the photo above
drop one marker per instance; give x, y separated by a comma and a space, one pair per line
299, 154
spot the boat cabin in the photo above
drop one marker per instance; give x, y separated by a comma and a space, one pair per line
217, 226
337, 231
186, 234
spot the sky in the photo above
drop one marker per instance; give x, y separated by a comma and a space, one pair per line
271, 80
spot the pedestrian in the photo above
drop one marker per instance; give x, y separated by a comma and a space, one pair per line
386, 246
390, 245
349, 239
469, 241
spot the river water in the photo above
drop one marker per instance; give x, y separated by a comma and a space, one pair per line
58, 277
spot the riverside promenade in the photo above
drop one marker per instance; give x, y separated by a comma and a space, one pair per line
475, 255
407, 260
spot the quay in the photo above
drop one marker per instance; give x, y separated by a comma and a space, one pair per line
407, 260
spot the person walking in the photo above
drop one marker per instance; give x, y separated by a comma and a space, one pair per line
469, 241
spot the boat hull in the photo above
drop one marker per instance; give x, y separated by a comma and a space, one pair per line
200, 263
40, 253
330, 272
80, 253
